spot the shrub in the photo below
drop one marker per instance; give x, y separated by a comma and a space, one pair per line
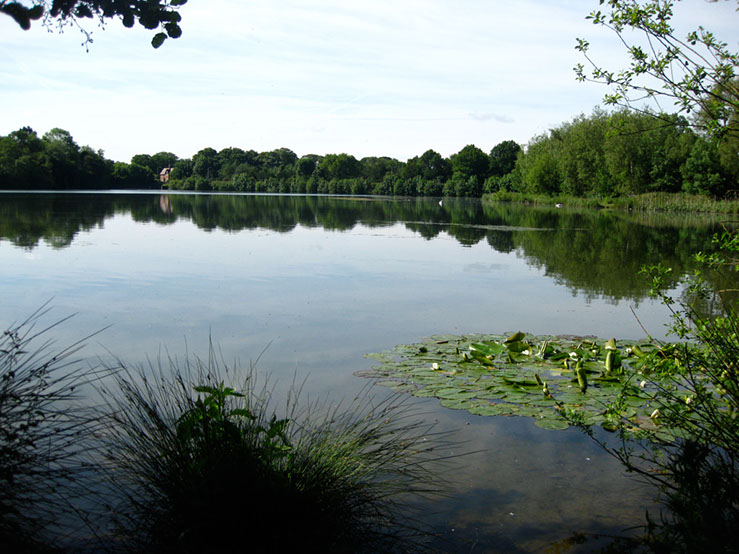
196, 466
692, 452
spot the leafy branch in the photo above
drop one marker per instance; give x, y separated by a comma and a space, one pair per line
151, 14
697, 73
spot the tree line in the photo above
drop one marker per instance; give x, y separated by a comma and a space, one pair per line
603, 154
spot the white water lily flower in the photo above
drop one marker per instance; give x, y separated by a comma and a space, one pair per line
655, 414
689, 399
526, 352
434, 366
643, 384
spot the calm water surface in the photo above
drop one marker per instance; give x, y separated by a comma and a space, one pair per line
320, 282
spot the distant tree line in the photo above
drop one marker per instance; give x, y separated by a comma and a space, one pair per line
626, 152
604, 154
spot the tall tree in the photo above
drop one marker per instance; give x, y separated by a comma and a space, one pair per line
471, 162
503, 157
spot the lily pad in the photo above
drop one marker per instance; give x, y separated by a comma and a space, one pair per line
519, 374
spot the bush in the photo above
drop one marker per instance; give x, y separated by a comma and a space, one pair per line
692, 453
208, 468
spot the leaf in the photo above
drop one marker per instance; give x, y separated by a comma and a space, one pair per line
552, 423
158, 39
511, 386
516, 337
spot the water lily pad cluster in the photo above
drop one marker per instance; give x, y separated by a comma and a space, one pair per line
536, 376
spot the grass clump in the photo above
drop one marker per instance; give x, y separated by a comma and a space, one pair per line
45, 436
191, 464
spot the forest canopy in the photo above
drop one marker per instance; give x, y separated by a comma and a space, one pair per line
604, 154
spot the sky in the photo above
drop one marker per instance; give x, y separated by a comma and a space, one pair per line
383, 78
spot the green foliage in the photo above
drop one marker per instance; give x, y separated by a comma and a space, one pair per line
212, 421
333, 479
696, 471
339, 166
697, 73
470, 163
625, 153
503, 158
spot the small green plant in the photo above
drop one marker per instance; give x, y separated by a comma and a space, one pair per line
213, 419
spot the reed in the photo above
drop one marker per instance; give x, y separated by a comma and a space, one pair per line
647, 202
45, 435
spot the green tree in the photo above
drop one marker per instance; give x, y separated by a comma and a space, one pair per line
131, 176
306, 165
151, 14
64, 154
539, 168
503, 157
703, 172
470, 163
434, 166
93, 171
230, 161
23, 161
206, 163
339, 166
374, 168
145, 161
182, 169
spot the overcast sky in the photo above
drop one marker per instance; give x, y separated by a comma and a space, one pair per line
388, 77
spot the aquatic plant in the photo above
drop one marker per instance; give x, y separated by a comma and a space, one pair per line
697, 470
535, 376
45, 435
193, 464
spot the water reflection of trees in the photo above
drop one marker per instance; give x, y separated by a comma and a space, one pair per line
598, 253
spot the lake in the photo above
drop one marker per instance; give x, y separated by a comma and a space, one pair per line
314, 283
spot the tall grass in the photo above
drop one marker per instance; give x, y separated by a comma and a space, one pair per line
648, 202
189, 471
45, 434
676, 202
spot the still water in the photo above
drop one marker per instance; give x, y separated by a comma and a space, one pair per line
315, 283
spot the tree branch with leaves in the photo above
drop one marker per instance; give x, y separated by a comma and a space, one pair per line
698, 73
57, 14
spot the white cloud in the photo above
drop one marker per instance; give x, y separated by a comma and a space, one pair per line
385, 78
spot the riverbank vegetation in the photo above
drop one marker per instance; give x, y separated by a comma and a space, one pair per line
172, 458
598, 159
672, 202
696, 469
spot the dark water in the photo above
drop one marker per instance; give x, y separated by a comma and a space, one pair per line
320, 282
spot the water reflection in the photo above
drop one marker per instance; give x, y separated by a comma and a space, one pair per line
327, 280
595, 253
